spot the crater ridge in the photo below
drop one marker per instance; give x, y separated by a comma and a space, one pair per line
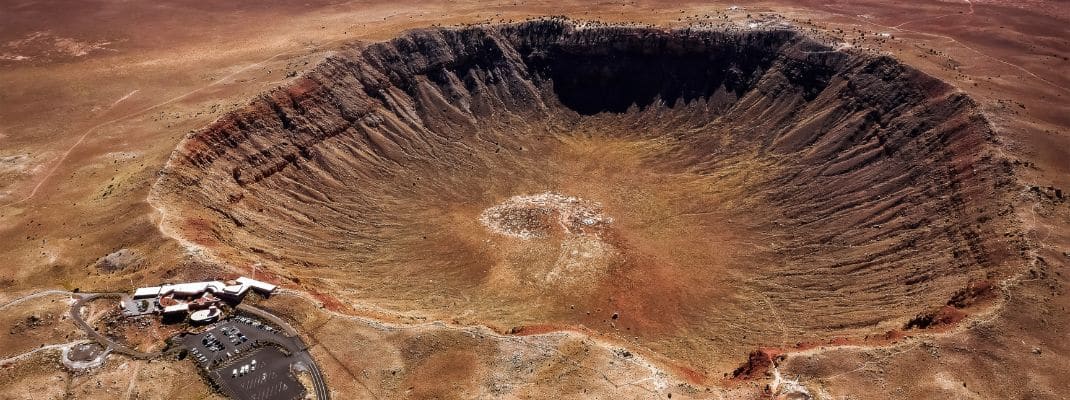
745, 188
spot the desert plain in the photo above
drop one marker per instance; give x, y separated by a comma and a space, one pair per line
524, 199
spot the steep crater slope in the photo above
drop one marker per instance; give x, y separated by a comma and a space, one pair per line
699, 193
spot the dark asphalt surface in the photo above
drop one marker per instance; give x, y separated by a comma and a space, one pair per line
299, 349
296, 345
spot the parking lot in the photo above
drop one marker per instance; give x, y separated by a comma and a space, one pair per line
250, 359
227, 340
262, 374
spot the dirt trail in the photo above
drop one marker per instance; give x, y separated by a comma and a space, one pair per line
43, 348
35, 295
960, 44
58, 162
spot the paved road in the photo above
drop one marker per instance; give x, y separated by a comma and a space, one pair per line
299, 349
281, 323
28, 354
296, 345
76, 316
320, 386
33, 296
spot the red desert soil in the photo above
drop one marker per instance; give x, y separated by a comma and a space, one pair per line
843, 215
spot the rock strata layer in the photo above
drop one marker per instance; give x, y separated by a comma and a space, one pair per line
764, 188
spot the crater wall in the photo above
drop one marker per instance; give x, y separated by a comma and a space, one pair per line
764, 189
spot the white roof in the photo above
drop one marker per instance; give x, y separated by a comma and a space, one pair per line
190, 288
147, 292
204, 315
255, 284
176, 308
196, 288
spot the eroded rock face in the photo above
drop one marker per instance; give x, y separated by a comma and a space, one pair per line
763, 188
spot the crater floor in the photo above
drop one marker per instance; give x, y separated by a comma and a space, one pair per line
695, 193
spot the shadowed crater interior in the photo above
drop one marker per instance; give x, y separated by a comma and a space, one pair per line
714, 190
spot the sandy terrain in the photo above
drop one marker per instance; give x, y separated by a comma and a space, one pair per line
98, 95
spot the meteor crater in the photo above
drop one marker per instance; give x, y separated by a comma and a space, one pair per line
698, 193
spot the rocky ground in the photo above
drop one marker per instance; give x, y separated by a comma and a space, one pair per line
94, 106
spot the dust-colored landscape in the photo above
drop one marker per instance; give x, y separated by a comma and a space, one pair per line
797, 200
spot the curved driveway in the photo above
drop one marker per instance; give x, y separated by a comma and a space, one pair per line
300, 350
76, 316
296, 345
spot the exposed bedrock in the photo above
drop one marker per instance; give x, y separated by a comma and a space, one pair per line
753, 188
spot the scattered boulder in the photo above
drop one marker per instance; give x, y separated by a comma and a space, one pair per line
31, 322
759, 363
119, 260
